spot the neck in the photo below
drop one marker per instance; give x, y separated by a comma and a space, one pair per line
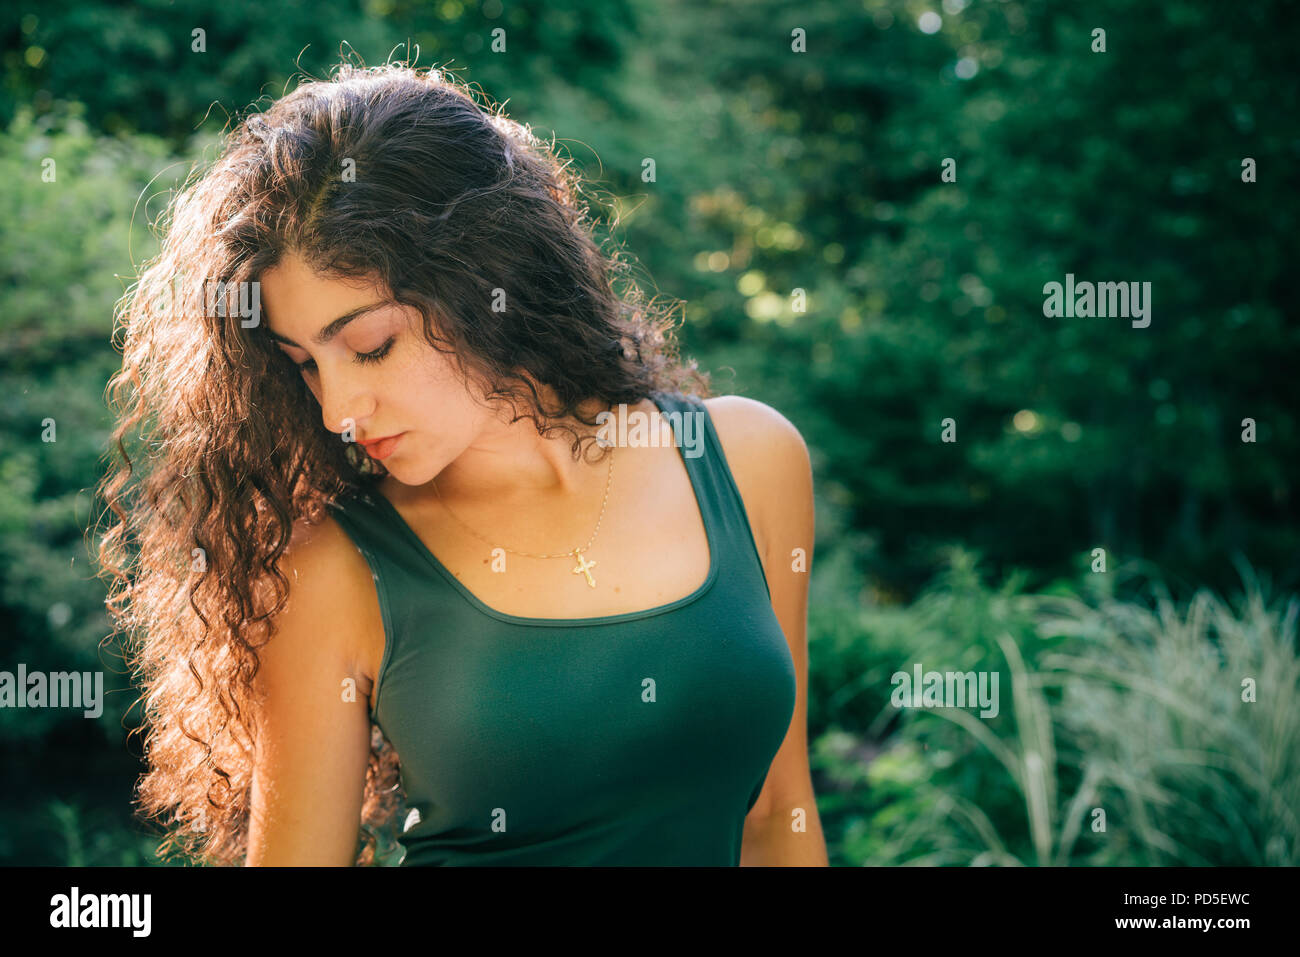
511, 465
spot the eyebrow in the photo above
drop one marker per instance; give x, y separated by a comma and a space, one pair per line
333, 329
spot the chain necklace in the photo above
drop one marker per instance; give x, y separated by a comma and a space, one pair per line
584, 567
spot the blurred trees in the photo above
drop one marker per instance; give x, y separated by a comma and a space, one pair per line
819, 171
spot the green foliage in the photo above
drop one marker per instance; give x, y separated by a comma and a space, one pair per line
926, 296
1134, 711
65, 267
81, 837
779, 171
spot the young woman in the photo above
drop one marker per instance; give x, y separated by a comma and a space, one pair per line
429, 528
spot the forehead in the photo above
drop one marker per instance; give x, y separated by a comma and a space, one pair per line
298, 302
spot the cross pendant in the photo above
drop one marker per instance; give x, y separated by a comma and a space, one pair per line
583, 565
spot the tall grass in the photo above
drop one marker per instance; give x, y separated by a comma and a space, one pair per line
1130, 736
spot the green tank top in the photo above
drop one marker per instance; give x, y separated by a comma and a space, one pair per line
635, 739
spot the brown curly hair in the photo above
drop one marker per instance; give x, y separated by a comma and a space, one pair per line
450, 201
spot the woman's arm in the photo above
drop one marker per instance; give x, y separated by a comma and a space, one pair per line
314, 743
773, 473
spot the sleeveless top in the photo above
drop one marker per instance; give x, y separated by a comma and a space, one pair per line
641, 738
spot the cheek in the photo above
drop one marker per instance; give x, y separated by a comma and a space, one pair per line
426, 378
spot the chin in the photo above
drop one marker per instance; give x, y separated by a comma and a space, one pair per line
404, 473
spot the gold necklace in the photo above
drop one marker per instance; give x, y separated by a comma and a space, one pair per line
584, 567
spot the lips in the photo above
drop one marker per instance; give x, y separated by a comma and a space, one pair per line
381, 448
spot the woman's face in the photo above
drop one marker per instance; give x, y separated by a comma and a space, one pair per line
374, 374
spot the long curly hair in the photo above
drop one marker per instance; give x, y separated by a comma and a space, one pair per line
383, 172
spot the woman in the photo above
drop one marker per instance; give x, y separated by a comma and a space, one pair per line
375, 583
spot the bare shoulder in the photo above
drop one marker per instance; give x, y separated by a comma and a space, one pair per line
758, 439
332, 602
769, 461
746, 417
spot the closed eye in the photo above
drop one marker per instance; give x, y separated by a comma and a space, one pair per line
361, 358
366, 357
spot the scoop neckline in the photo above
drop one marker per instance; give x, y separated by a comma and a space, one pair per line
706, 519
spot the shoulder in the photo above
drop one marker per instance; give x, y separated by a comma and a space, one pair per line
317, 550
751, 422
332, 603
769, 460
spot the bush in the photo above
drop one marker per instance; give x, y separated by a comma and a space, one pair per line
1131, 736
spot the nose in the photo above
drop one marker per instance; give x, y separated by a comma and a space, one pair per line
344, 406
